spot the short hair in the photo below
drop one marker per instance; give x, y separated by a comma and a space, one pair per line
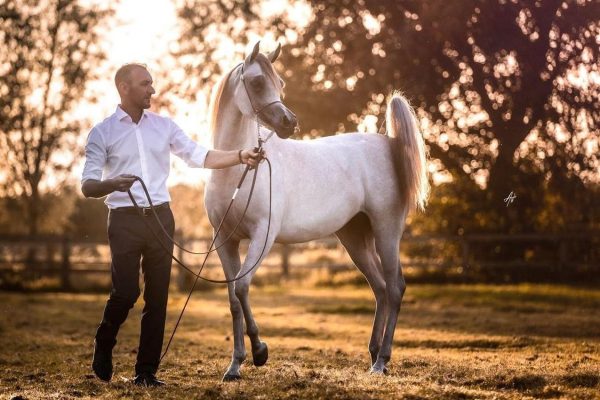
124, 72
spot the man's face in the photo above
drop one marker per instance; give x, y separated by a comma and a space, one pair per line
138, 90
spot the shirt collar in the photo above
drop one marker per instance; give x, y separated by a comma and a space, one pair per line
121, 114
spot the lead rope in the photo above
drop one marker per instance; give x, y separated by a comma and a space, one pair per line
226, 280
162, 227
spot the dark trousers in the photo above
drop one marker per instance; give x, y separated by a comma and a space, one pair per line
131, 241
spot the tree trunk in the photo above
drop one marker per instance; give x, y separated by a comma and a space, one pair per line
33, 211
502, 181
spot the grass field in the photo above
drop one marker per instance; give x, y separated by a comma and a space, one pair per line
452, 342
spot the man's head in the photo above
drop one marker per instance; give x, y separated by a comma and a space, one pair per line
134, 84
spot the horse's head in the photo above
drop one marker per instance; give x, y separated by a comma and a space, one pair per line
258, 93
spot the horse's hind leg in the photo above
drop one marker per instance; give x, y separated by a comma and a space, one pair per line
387, 237
357, 238
230, 259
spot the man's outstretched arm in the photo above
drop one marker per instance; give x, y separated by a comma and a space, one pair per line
198, 156
216, 159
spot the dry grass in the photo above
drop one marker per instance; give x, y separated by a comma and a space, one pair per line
452, 342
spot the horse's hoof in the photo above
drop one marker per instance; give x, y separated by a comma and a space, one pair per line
260, 355
231, 377
373, 358
378, 370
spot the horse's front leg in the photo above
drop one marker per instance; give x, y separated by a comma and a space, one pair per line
230, 260
257, 251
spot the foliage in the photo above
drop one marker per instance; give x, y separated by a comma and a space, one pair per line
49, 52
56, 208
505, 89
88, 220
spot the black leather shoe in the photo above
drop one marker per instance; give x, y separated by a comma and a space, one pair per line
147, 379
102, 363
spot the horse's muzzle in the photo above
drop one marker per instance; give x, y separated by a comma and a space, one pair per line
286, 132
288, 126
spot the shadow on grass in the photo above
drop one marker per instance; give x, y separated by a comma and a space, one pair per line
523, 310
343, 309
478, 344
582, 379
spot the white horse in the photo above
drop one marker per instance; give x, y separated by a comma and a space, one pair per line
359, 187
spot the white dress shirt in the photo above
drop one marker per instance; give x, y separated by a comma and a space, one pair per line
118, 146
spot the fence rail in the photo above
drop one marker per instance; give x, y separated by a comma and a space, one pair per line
27, 258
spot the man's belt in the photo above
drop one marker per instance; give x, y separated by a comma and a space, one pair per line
145, 210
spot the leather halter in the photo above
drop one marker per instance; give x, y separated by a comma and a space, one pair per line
256, 110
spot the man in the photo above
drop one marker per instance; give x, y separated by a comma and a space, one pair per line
135, 142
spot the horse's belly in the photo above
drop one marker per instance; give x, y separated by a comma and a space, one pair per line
316, 221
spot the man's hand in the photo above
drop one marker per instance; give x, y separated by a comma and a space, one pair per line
251, 157
123, 182
95, 188
216, 159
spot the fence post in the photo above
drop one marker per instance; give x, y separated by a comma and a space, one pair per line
285, 260
50, 248
65, 269
562, 254
31, 264
465, 253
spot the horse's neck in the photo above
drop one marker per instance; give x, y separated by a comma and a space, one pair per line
234, 130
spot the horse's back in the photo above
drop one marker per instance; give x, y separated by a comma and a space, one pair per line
345, 151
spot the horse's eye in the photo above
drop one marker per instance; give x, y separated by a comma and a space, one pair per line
257, 84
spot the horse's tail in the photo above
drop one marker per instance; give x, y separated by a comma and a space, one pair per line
408, 149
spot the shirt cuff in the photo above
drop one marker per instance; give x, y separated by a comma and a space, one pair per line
91, 175
198, 157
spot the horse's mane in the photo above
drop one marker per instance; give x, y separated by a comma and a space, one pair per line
217, 92
215, 101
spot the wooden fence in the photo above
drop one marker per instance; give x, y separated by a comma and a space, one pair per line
31, 258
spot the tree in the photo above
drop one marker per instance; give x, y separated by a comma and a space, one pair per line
506, 87
49, 52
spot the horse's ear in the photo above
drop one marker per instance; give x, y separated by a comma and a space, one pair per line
254, 53
275, 53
